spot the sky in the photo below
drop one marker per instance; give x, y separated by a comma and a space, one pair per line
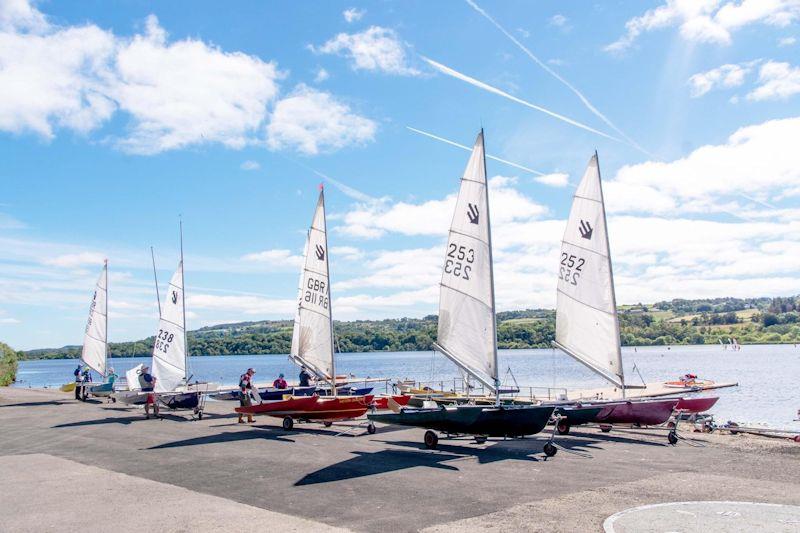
118, 120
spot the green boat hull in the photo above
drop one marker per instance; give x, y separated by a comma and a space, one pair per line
490, 421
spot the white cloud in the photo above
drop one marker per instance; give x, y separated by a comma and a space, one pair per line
557, 179
9, 222
248, 305
710, 21
321, 75
375, 49
353, 14
275, 258
558, 20
9, 320
755, 159
787, 41
188, 92
433, 217
250, 165
76, 260
174, 94
777, 81
51, 76
312, 121
726, 76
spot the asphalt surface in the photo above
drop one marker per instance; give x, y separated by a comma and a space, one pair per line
356, 481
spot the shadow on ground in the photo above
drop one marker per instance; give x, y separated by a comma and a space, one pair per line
231, 436
121, 420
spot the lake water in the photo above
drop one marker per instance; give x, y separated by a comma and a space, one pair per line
768, 375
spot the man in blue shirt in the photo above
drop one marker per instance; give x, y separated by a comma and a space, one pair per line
148, 382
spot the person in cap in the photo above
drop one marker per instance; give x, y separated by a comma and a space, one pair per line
246, 394
77, 373
279, 383
147, 382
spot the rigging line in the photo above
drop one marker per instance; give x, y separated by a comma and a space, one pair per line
486, 87
557, 76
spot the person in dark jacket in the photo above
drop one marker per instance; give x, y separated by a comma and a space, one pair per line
305, 377
246, 394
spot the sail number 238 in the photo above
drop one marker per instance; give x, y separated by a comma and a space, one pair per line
459, 260
163, 340
570, 269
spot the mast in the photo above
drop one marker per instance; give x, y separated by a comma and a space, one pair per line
611, 273
105, 366
183, 304
330, 298
155, 277
491, 280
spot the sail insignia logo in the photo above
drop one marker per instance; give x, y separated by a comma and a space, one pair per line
586, 230
174, 297
320, 252
472, 213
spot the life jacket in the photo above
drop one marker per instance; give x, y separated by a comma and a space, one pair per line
77, 372
145, 381
244, 382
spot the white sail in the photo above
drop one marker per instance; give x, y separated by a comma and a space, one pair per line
169, 348
95, 341
312, 340
587, 326
467, 329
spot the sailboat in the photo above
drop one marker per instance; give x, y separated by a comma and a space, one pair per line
467, 329
312, 340
95, 341
587, 324
170, 353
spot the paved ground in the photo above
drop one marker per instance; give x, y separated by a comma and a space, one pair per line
207, 471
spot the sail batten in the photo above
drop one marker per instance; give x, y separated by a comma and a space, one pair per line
312, 335
587, 324
169, 346
94, 353
466, 330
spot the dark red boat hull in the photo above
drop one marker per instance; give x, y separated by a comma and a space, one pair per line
382, 402
696, 405
644, 412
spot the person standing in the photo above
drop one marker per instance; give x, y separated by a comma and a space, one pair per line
77, 374
245, 394
148, 382
305, 377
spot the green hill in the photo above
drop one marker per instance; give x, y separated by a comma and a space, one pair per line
749, 321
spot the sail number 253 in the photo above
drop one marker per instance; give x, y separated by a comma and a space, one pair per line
459, 260
570, 270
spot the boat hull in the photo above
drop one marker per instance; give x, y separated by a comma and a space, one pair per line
382, 402
643, 412
696, 405
576, 416
183, 400
503, 421
103, 391
327, 408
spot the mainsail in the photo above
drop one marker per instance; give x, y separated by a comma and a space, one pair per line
467, 331
95, 341
587, 326
312, 337
169, 349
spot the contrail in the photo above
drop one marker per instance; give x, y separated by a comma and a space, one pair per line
468, 149
557, 76
345, 189
472, 81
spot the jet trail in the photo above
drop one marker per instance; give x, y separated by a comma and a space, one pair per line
486, 87
468, 149
557, 76
343, 188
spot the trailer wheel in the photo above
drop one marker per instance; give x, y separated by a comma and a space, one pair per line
480, 439
562, 427
371, 428
288, 423
327, 424
672, 437
605, 428
431, 440
200, 415
113, 400
550, 449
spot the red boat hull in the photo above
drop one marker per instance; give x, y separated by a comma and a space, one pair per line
382, 402
644, 412
280, 407
696, 405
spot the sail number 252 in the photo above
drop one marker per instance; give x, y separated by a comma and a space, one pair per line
570, 270
459, 260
